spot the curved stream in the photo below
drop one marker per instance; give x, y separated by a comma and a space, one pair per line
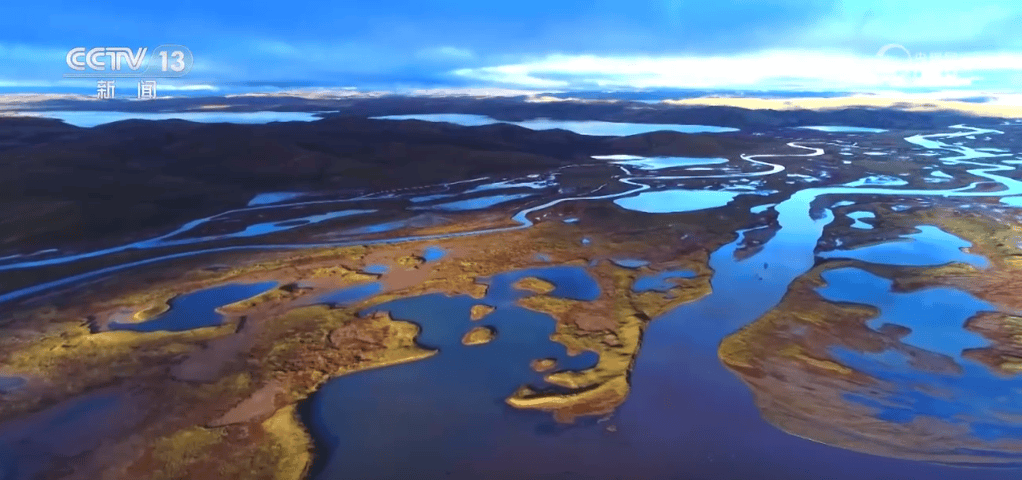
686, 417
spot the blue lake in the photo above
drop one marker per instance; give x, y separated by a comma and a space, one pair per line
462, 389
659, 163
930, 247
197, 309
676, 201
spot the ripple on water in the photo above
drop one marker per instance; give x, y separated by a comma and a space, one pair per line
197, 309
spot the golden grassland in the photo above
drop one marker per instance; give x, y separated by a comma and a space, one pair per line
612, 326
300, 346
479, 336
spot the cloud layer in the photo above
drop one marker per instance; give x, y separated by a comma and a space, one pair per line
825, 44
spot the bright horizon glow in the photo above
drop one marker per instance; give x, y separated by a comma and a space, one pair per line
530, 45
781, 69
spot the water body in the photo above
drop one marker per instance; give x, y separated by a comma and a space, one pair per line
839, 129
273, 197
430, 198
940, 331
1012, 201
349, 295
857, 220
64, 430
629, 262
376, 269
930, 247
984, 405
612, 129
196, 309
535, 184
10, 384
660, 282
761, 208
433, 253
478, 203
676, 201
452, 417
659, 163
92, 119
572, 283
878, 180
686, 413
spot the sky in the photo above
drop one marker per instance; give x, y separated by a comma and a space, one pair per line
548, 45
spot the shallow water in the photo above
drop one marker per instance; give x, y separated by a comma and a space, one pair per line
196, 309
629, 262
660, 282
376, 269
936, 316
433, 253
930, 247
64, 430
349, 295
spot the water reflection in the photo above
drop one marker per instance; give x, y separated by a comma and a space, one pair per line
197, 309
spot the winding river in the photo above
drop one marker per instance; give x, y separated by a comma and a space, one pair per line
686, 417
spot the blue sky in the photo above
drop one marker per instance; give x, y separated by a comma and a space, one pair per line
532, 44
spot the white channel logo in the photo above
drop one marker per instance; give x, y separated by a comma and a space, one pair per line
164, 61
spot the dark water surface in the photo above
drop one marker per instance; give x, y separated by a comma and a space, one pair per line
197, 309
